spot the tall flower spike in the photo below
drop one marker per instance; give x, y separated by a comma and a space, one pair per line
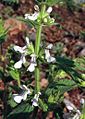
48, 57
35, 99
33, 63
23, 94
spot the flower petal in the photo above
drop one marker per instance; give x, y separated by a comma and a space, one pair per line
24, 87
35, 99
18, 64
82, 101
18, 48
47, 53
34, 103
27, 41
32, 17
33, 58
17, 98
26, 16
31, 68
48, 57
51, 59
49, 10
25, 95
23, 59
49, 46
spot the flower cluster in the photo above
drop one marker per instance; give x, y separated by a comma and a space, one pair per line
23, 96
36, 16
24, 52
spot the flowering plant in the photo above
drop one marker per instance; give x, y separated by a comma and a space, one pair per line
35, 59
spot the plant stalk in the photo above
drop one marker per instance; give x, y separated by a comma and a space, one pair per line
37, 48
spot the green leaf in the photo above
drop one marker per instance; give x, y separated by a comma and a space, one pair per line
69, 67
64, 61
24, 108
14, 74
77, 77
65, 85
80, 63
60, 74
29, 22
3, 31
12, 103
82, 83
57, 88
43, 105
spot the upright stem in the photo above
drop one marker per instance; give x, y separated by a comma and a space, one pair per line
38, 39
37, 47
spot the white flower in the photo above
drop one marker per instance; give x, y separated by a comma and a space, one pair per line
32, 17
35, 99
35, 15
49, 10
49, 46
48, 57
82, 101
19, 49
23, 94
27, 41
33, 63
23, 51
18, 64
